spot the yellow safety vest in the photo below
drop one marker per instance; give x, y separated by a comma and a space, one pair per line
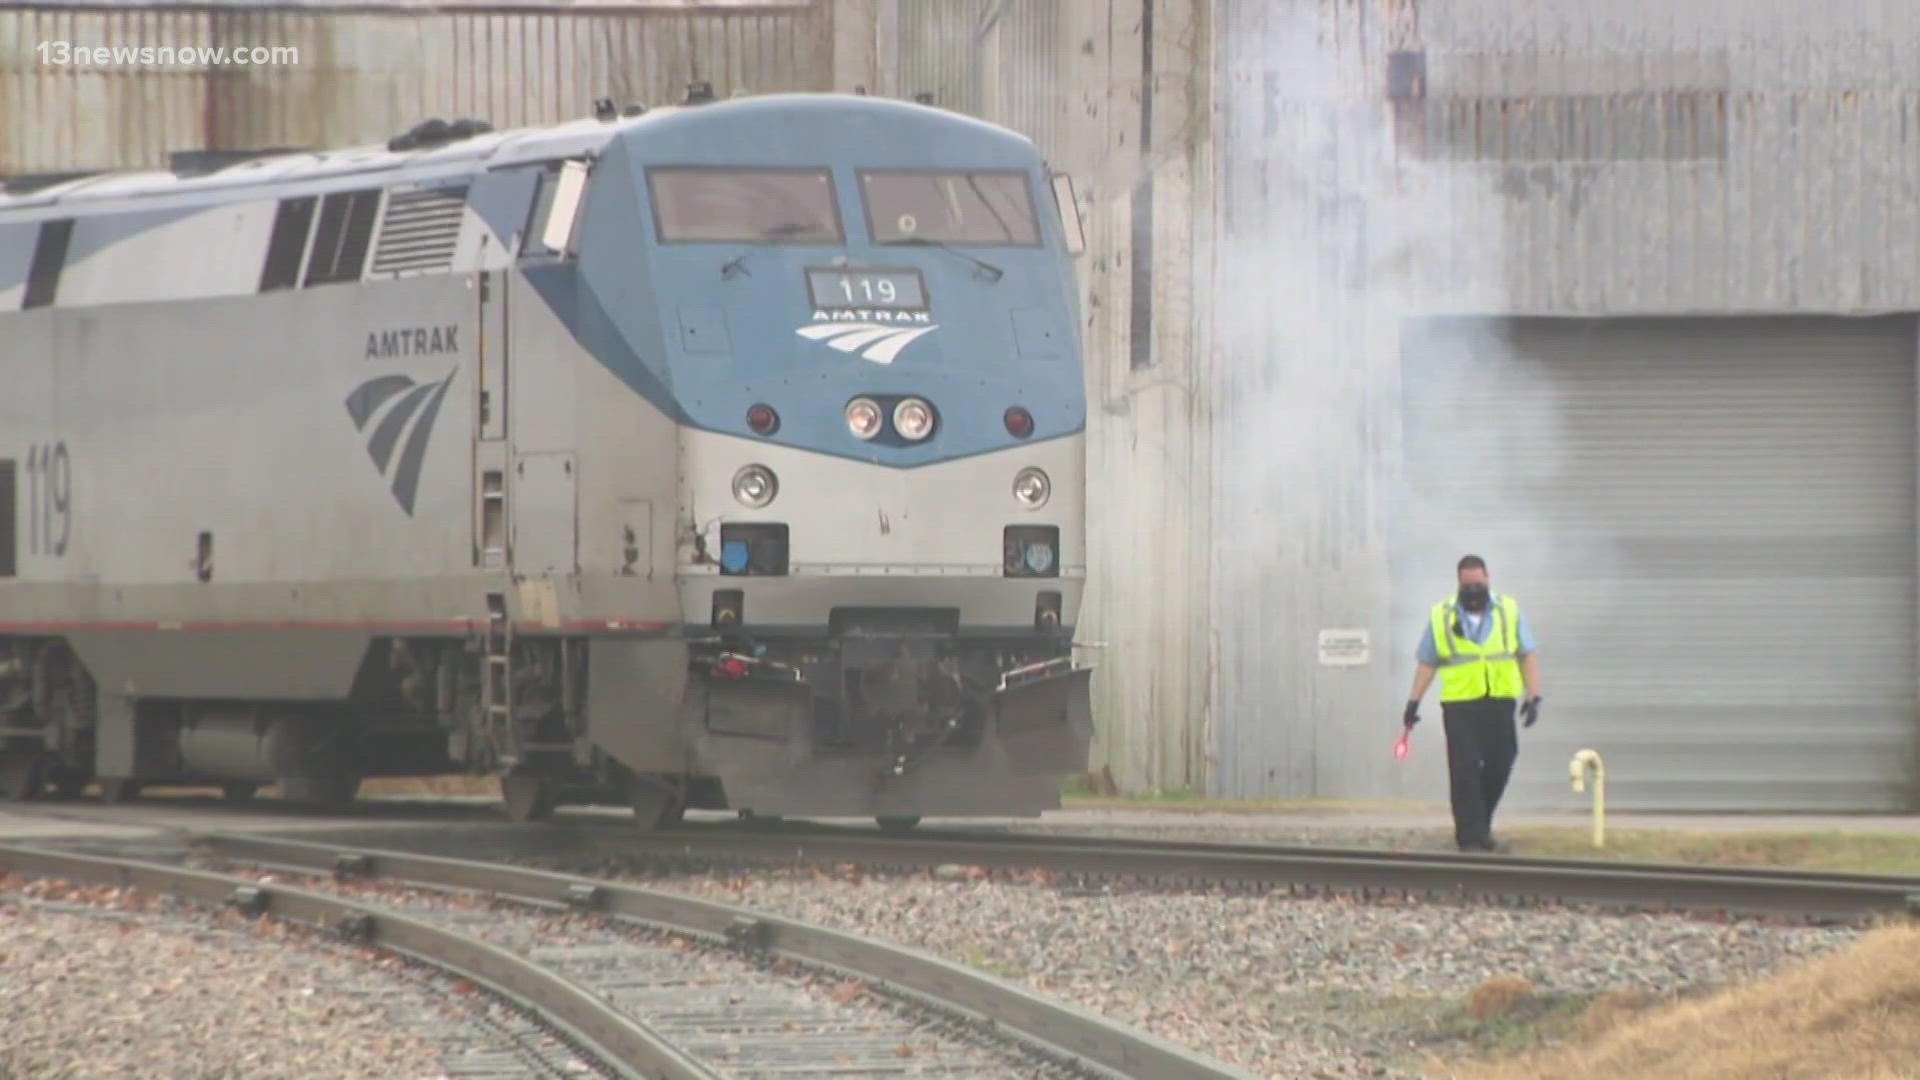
1468, 671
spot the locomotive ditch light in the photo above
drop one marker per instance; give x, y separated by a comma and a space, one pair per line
1031, 551
913, 419
1019, 422
863, 417
1031, 488
763, 420
755, 486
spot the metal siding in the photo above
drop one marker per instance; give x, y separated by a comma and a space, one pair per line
1297, 485
1710, 526
367, 75
999, 60
1147, 450
1725, 156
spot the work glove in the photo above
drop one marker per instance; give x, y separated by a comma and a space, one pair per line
1530, 710
1412, 716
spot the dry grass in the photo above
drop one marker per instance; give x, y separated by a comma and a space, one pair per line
1497, 996
1858, 852
1851, 1016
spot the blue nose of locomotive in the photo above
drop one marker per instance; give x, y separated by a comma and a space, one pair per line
885, 282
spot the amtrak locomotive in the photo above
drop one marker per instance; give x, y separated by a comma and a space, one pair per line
720, 455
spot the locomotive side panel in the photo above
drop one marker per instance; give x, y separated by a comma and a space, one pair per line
624, 451
302, 464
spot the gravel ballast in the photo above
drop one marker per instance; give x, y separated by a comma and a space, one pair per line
1282, 986
105, 982
735, 1015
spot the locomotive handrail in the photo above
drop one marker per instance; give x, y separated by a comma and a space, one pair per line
1021, 676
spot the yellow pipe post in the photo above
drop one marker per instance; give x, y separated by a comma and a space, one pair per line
1589, 761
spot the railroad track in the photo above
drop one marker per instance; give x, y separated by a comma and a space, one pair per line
566, 1027
1755, 891
986, 1027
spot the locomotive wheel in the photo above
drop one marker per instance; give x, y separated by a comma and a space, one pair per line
238, 793
119, 789
68, 784
527, 798
657, 806
897, 824
22, 774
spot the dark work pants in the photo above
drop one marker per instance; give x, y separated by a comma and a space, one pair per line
1481, 746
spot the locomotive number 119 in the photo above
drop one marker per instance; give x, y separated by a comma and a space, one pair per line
892, 289
49, 499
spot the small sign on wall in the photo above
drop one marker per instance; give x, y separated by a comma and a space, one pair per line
1343, 648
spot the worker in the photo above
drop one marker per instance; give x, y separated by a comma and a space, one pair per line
1480, 644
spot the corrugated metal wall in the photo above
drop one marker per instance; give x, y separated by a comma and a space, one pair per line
368, 74
1138, 149
996, 59
1381, 159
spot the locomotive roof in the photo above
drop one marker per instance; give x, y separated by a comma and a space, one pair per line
487, 150
311, 170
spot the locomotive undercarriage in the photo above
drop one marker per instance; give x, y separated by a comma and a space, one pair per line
46, 720
880, 718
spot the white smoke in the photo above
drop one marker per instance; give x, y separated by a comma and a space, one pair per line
1362, 244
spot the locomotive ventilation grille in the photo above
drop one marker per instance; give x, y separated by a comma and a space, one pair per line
420, 230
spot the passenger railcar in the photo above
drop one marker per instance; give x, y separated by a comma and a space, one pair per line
726, 455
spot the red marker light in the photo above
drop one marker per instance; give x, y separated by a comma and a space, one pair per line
762, 419
731, 668
1400, 748
1019, 422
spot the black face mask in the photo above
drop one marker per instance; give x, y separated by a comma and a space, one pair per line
1474, 597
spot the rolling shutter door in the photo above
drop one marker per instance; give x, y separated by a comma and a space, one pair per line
1710, 525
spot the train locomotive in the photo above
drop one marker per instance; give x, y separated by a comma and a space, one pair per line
726, 454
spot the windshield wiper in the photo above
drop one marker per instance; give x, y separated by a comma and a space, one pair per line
738, 264
981, 266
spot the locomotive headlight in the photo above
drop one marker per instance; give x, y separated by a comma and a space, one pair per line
755, 486
1038, 558
863, 417
913, 419
1031, 487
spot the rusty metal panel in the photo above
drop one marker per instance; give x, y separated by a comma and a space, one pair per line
365, 75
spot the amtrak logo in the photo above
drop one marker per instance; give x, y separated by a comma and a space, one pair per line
418, 402
873, 341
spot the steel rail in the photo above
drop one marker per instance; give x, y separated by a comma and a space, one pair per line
1734, 890
577, 1015
1060, 1027
1460, 857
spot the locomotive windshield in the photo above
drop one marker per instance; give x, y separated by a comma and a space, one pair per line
709, 205
980, 208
